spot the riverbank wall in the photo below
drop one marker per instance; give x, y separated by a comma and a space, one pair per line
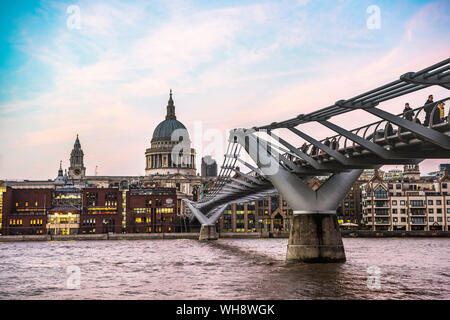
227, 235
394, 234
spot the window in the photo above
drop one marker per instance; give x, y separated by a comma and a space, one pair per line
380, 192
439, 219
439, 210
92, 198
403, 219
430, 202
402, 202
431, 219
438, 202
430, 211
394, 211
417, 203
394, 202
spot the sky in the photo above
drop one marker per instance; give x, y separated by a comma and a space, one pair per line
103, 70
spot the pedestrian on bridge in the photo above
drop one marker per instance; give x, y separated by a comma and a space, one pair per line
428, 108
304, 147
408, 113
439, 114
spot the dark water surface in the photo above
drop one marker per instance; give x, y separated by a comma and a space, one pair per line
224, 269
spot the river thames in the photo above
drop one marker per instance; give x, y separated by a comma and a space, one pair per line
406, 268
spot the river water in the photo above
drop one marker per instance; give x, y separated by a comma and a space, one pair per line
406, 268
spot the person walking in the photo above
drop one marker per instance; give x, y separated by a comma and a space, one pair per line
408, 113
304, 147
428, 108
438, 115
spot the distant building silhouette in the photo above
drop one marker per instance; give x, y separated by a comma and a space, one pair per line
209, 167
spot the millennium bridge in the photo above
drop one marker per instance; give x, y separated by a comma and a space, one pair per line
279, 166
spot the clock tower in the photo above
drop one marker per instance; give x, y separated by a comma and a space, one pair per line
77, 169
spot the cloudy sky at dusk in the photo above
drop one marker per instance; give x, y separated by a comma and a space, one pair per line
230, 64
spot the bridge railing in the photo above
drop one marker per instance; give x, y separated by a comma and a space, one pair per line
380, 132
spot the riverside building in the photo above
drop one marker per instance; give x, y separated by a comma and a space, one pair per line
412, 203
69, 210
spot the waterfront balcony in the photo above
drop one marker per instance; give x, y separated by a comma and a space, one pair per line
418, 213
417, 204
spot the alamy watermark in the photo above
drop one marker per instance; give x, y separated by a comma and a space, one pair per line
374, 280
74, 18
373, 21
73, 281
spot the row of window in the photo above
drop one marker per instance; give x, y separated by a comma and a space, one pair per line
395, 219
413, 203
27, 204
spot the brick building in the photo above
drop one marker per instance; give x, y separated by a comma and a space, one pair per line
24, 211
69, 210
102, 210
151, 210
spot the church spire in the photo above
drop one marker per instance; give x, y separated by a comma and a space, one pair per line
170, 108
77, 142
60, 171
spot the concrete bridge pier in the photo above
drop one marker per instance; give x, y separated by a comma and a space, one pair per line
208, 228
315, 237
208, 232
315, 234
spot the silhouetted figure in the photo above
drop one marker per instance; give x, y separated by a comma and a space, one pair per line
428, 108
408, 113
304, 148
314, 151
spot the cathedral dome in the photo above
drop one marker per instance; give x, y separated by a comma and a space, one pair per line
162, 157
164, 130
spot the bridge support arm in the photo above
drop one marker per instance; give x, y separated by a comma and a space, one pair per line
314, 232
